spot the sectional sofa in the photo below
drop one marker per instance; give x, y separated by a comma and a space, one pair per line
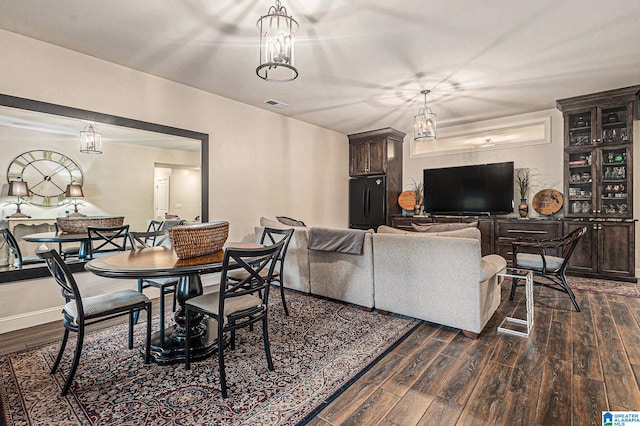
438, 277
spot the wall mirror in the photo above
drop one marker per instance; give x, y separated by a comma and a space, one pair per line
145, 170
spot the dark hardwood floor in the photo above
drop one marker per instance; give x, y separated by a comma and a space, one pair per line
572, 367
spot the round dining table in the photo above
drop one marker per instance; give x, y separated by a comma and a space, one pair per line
62, 237
162, 262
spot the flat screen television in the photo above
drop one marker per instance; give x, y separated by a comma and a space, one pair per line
481, 189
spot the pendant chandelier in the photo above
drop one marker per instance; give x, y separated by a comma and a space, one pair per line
277, 31
424, 124
90, 141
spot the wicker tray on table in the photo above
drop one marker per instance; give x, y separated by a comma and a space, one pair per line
198, 240
78, 225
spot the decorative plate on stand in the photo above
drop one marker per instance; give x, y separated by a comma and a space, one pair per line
407, 200
547, 202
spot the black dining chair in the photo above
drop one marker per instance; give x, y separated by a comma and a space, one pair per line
237, 304
67, 251
107, 240
14, 248
140, 240
154, 225
80, 312
272, 236
544, 264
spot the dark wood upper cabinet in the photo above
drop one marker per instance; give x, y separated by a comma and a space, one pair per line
368, 157
598, 141
359, 158
379, 152
598, 181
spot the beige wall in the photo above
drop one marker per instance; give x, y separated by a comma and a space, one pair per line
548, 159
184, 188
261, 163
122, 173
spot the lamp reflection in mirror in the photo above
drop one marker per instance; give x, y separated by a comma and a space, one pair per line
75, 191
277, 37
90, 140
18, 189
424, 123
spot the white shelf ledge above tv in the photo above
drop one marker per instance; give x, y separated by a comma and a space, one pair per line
511, 132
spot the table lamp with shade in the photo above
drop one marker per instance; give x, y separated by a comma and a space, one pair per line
75, 191
18, 188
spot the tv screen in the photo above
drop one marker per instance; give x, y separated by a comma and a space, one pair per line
478, 189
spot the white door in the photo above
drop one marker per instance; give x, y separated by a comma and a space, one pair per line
161, 191
162, 197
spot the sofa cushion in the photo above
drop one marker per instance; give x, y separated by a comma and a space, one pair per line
288, 221
264, 222
442, 227
534, 261
458, 233
384, 229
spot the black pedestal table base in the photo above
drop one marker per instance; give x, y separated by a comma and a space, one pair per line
204, 343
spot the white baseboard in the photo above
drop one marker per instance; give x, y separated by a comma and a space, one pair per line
30, 319
43, 316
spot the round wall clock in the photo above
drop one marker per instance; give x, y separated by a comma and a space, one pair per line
47, 174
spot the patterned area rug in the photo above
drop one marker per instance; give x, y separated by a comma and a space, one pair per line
316, 351
604, 286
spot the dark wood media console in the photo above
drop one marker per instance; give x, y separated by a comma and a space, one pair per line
607, 250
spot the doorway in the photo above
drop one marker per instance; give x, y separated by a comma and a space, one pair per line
161, 191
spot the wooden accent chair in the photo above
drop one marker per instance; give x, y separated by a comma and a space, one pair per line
543, 265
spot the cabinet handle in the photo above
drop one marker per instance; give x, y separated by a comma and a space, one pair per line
598, 211
595, 226
599, 226
524, 231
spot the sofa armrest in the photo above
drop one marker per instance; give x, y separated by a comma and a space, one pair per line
296, 262
490, 265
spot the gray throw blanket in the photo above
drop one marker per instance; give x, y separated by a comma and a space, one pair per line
348, 241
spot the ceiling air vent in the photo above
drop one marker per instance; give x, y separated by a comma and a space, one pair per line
276, 104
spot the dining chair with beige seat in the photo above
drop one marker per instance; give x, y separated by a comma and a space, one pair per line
80, 312
107, 240
272, 236
237, 304
19, 260
140, 240
66, 251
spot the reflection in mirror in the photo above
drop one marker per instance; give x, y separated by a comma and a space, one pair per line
145, 171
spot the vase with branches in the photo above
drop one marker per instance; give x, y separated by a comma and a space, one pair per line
525, 178
418, 186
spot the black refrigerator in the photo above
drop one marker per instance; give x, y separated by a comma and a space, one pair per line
367, 202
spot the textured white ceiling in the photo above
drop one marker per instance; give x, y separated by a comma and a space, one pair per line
362, 63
